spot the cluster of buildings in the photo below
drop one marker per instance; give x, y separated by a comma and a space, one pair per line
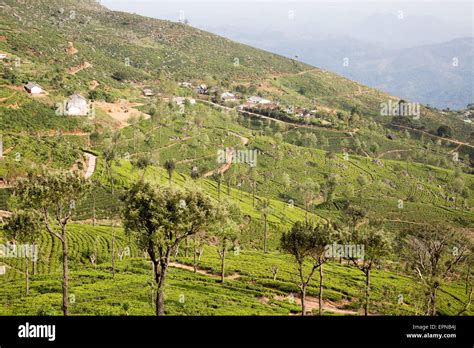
77, 105
253, 102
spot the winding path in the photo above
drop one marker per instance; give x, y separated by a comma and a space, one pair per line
225, 167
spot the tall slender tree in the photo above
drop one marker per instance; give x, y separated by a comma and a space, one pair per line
23, 228
265, 209
54, 198
170, 166
376, 246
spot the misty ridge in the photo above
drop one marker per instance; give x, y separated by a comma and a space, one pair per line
421, 52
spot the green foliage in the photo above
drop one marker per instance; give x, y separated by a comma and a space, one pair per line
22, 227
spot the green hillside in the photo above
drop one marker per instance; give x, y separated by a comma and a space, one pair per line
339, 157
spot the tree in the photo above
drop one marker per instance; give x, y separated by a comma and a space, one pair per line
349, 192
241, 177
376, 246
264, 207
160, 219
54, 198
457, 187
329, 187
253, 177
195, 173
229, 177
23, 227
119, 76
199, 240
331, 156
218, 177
226, 231
170, 166
11, 75
286, 181
468, 262
444, 131
142, 163
309, 190
306, 242
352, 216
434, 252
109, 155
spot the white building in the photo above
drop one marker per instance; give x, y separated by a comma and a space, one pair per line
186, 84
147, 92
182, 100
33, 88
258, 100
228, 97
77, 105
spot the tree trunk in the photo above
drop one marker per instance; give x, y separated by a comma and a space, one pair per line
253, 194
160, 274
111, 179
222, 253
94, 219
195, 256
65, 276
468, 274
306, 214
433, 300
321, 284
265, 235
35, 259
186, 248
27, 274
113, 252
367, 292
303, 300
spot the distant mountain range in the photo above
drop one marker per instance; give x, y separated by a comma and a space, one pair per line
441, 75
419, 58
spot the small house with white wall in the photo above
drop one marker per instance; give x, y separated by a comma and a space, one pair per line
77, 105
33, 88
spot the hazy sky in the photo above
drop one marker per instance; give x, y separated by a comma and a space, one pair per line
241, 20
